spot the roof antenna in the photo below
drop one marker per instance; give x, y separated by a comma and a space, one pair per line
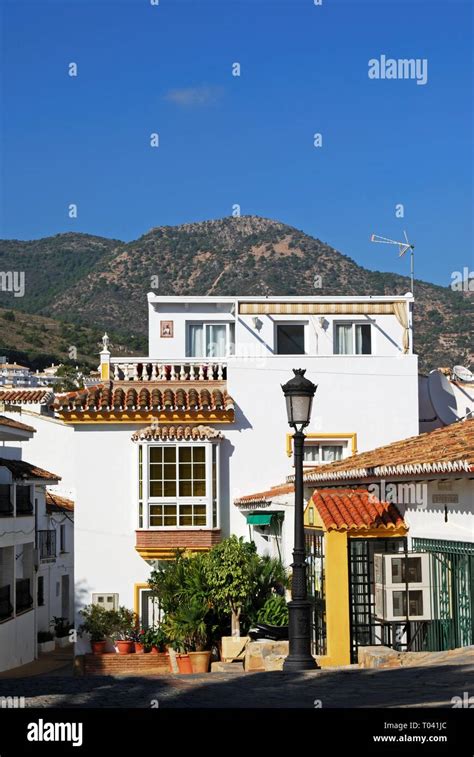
402, 249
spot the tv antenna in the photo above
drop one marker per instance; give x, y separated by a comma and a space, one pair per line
403, 247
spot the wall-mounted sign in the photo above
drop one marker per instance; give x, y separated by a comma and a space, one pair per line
166, 329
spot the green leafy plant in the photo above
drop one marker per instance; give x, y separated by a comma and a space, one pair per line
153, 637
274, 611
231, 576
96, 622
123, 623
44, 636
187, 628
61, 626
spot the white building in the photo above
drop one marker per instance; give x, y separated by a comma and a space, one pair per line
55, 545
22, 498
155, 455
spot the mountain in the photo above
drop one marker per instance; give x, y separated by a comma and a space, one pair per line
102, 283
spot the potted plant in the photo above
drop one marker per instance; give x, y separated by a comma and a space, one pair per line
188, 631
139, 637
61, 630
123, 623
45, 642
96, 622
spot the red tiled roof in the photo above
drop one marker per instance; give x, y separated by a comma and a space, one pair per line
105, 396
56, 503
265, 497
355, 509
447, 449
160, 432
15, 424
26, 396
24, 470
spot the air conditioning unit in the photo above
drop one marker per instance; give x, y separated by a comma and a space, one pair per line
107, 600
402, 586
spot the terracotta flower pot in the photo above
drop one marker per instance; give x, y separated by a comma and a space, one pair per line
200, 661
154, 650
124, 647
184, 664
98, 647
139, 648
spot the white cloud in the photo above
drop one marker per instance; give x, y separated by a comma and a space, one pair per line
189, 96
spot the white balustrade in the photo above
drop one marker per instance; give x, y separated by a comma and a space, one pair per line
142, 369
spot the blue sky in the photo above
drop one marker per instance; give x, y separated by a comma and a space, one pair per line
245, 140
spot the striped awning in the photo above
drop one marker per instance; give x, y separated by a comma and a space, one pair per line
316, 308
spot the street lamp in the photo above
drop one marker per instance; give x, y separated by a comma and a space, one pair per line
299, 393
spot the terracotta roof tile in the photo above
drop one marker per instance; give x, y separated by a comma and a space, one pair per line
26, 396
132, 397
15, 424
56, 503
160, 432
22, 469
264, 497
355, 509
444, 450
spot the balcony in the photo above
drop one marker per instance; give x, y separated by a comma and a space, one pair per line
162, 545
24, 505
24, 600
144, 370
6, 505
6, 607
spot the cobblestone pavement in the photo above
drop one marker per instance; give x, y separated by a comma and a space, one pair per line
403, 687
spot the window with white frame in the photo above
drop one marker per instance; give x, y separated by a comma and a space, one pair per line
178, 485
353, 338
209, 339
321, 452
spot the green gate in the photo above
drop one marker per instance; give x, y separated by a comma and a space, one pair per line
452, 571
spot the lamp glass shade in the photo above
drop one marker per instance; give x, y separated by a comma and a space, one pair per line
298, 408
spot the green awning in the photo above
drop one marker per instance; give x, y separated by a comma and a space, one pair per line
261, 519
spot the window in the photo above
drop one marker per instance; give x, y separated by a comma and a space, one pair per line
181, 482
40, 593
62, 538
325, 452
353, 339
47, 544
6, 506
210, 339
24, 505
290, 339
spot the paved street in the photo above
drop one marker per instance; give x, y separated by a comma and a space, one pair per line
405, 687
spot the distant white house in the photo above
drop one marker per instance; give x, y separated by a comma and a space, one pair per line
22, 499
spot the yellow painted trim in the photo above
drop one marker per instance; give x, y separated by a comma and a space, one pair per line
166, 553
351, 436
105, 371
145, 416
136, 597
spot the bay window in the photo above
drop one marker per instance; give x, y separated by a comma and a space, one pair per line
209, 339
177, 485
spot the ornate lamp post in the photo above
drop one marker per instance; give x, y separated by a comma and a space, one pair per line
299, 393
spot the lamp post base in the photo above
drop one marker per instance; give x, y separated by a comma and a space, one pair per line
299, 625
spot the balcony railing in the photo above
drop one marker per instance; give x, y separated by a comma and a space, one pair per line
192, 369
6, 607
24, 600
